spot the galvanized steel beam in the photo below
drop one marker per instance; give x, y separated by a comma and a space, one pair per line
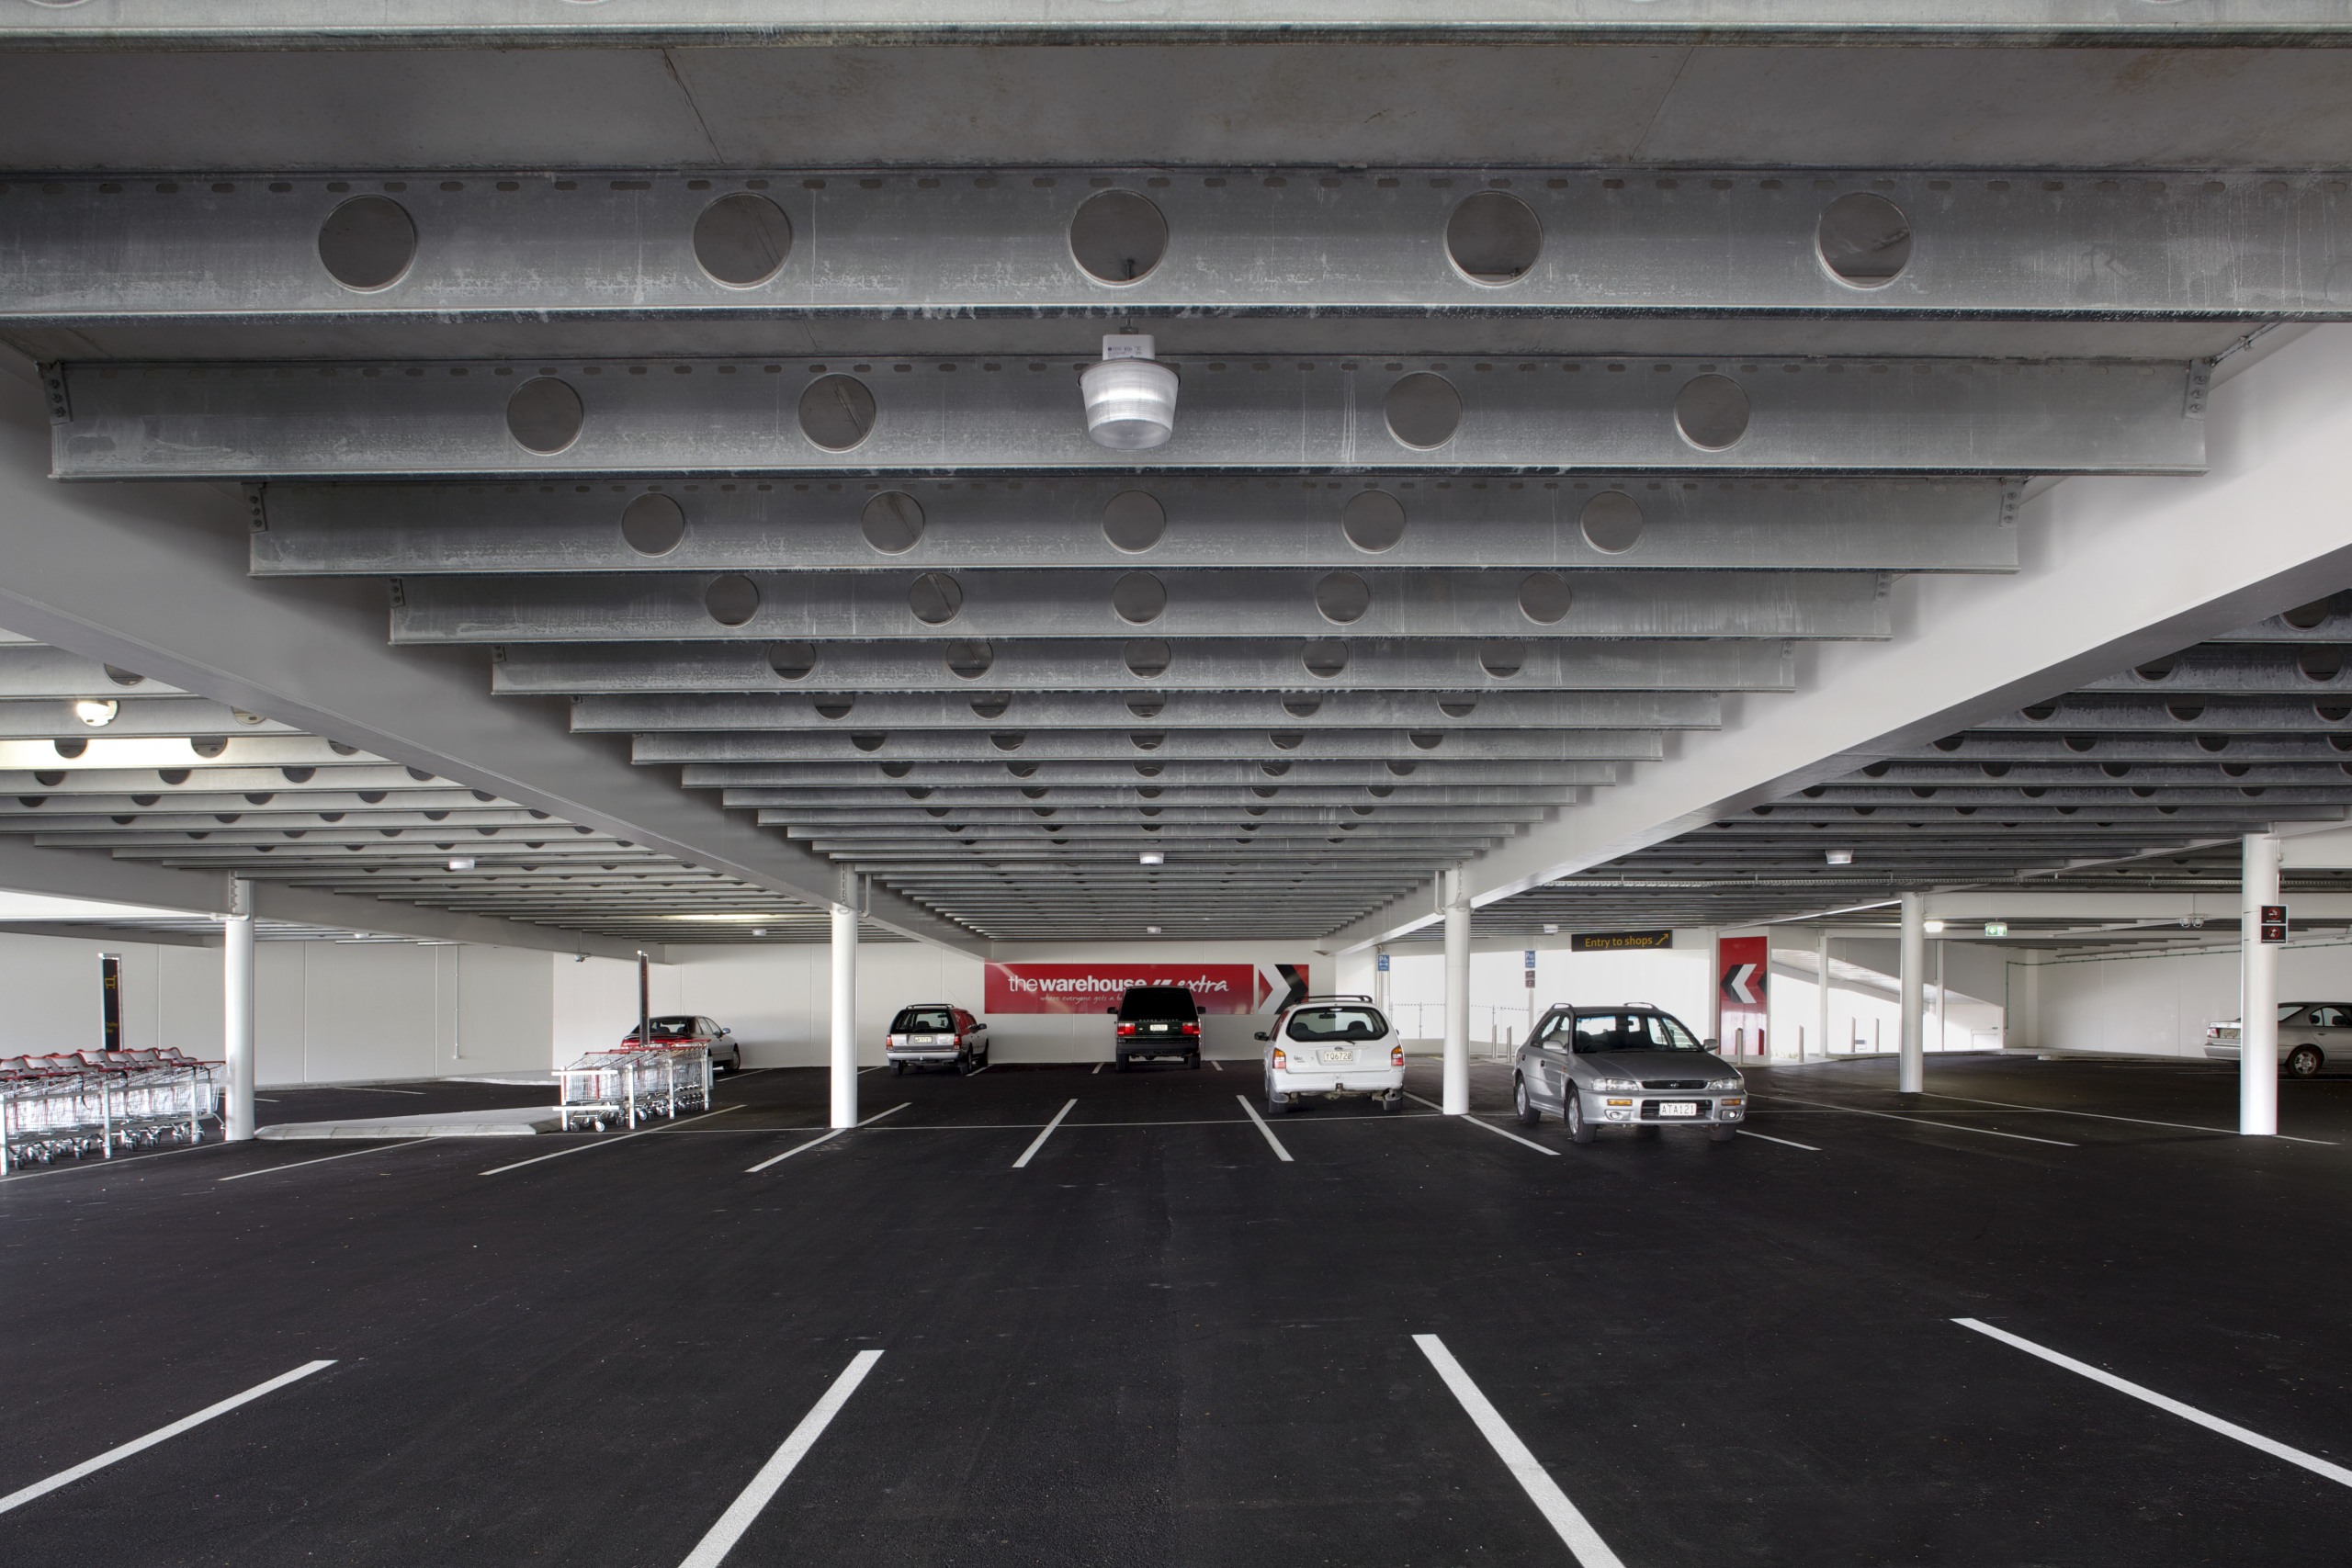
1548, 415
1178, 745
47, 718
1273, 769
1465, 796
1165, 605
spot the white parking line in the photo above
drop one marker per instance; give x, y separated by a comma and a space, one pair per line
1098, 1067
2103, 1116
976, 1072
1039, 1141
827, 1138
1582, 1541
1486, 1126
118, 1163
721, 1538
1279, 1153
2312, 1463
355, 1154
1213, 1066
1921, 1121
1767, 1138
66, 1477
606, 1142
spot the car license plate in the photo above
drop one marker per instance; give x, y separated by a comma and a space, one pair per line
1339, 1057
1678, 1108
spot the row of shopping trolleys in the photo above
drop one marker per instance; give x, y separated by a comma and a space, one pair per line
77, 1103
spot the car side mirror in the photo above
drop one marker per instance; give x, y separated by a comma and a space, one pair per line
1262, 1035
1714, 1045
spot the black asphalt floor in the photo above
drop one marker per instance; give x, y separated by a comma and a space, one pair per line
1159, 1343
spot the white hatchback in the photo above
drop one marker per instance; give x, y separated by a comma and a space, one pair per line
1333, 1048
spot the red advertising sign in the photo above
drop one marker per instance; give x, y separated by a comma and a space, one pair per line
1095, 987
1744, 965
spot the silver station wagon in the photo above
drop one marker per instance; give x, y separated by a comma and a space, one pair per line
1633, 1067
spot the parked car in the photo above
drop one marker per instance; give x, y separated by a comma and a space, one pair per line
1157, 1020
936, 1034
2309, 1035
1333, 1048
1631, 1066
688, 1029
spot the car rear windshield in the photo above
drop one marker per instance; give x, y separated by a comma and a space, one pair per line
1159, 1001
1631, 1031
677, 1026
917, 1020
1335, 1023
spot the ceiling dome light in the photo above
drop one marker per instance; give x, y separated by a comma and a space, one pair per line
1130, 396
97, 711
1840, 857
461, 863
1153, 857
1933, 928
1151, 930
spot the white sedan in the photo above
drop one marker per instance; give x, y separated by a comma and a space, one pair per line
1333, 1048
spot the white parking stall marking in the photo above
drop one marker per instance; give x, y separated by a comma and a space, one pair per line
826, 1138
2104, 1116
163, 1434
1921, 1121
1279, 1153
606, 1143
722, 1537
355, 1154
1487, 1127
1213, 1066
1790, 1143
1575, 1530
1039, 1140
2312, 1463
976, 1072
1098, 1067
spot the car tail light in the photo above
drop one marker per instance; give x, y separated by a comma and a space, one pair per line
1126, 1029
1192, 1029
1279, 1060
1395, 1055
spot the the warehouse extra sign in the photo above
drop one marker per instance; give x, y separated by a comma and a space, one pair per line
1093, 988
1619, 942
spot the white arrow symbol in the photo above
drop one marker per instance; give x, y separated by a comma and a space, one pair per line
1736, 983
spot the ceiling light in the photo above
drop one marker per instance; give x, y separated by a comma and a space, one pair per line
1551, 930
1130, 396
1151, 930
758, 930
97, 711
1933, 928
461, 863
1840, 857
1153, 857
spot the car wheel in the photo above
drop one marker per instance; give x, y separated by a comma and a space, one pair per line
1393, 1102
1528, 1114
1195, 1060
2304, 1062
1119, 1065
898, 1070
1572, 1106
1721, 1133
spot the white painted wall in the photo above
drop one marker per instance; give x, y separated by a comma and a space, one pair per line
1676, 979
2160, 1005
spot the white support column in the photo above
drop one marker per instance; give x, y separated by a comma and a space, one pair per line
1457, 995
237, 1008
844, 1016
2258, 991
1380, 980
1911, 1066
1821, 999
1936, 1036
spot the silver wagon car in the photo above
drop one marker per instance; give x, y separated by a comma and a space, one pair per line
1624, 1065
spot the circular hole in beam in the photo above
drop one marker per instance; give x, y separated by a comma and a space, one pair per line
1139, 598
1373, 520
891, 523
1711, 412
793, 661
731, 600
1502, 660
1342, 597
653, 525
836, 412
1133, 521
969, 660
1146, 658
368, 244
1117, 236
1423, 410
1544, 597
742, 240
1324, 656
544, 415
935, 598
1611, 522
1494, 237
1864, 240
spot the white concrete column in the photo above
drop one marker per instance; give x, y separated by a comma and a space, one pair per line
1911, 1066
2258, 991
237, 1008
1457, 994
1379, 980
844, 1016
1821, 1000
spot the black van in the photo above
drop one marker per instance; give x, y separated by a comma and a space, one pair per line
1158, 1020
